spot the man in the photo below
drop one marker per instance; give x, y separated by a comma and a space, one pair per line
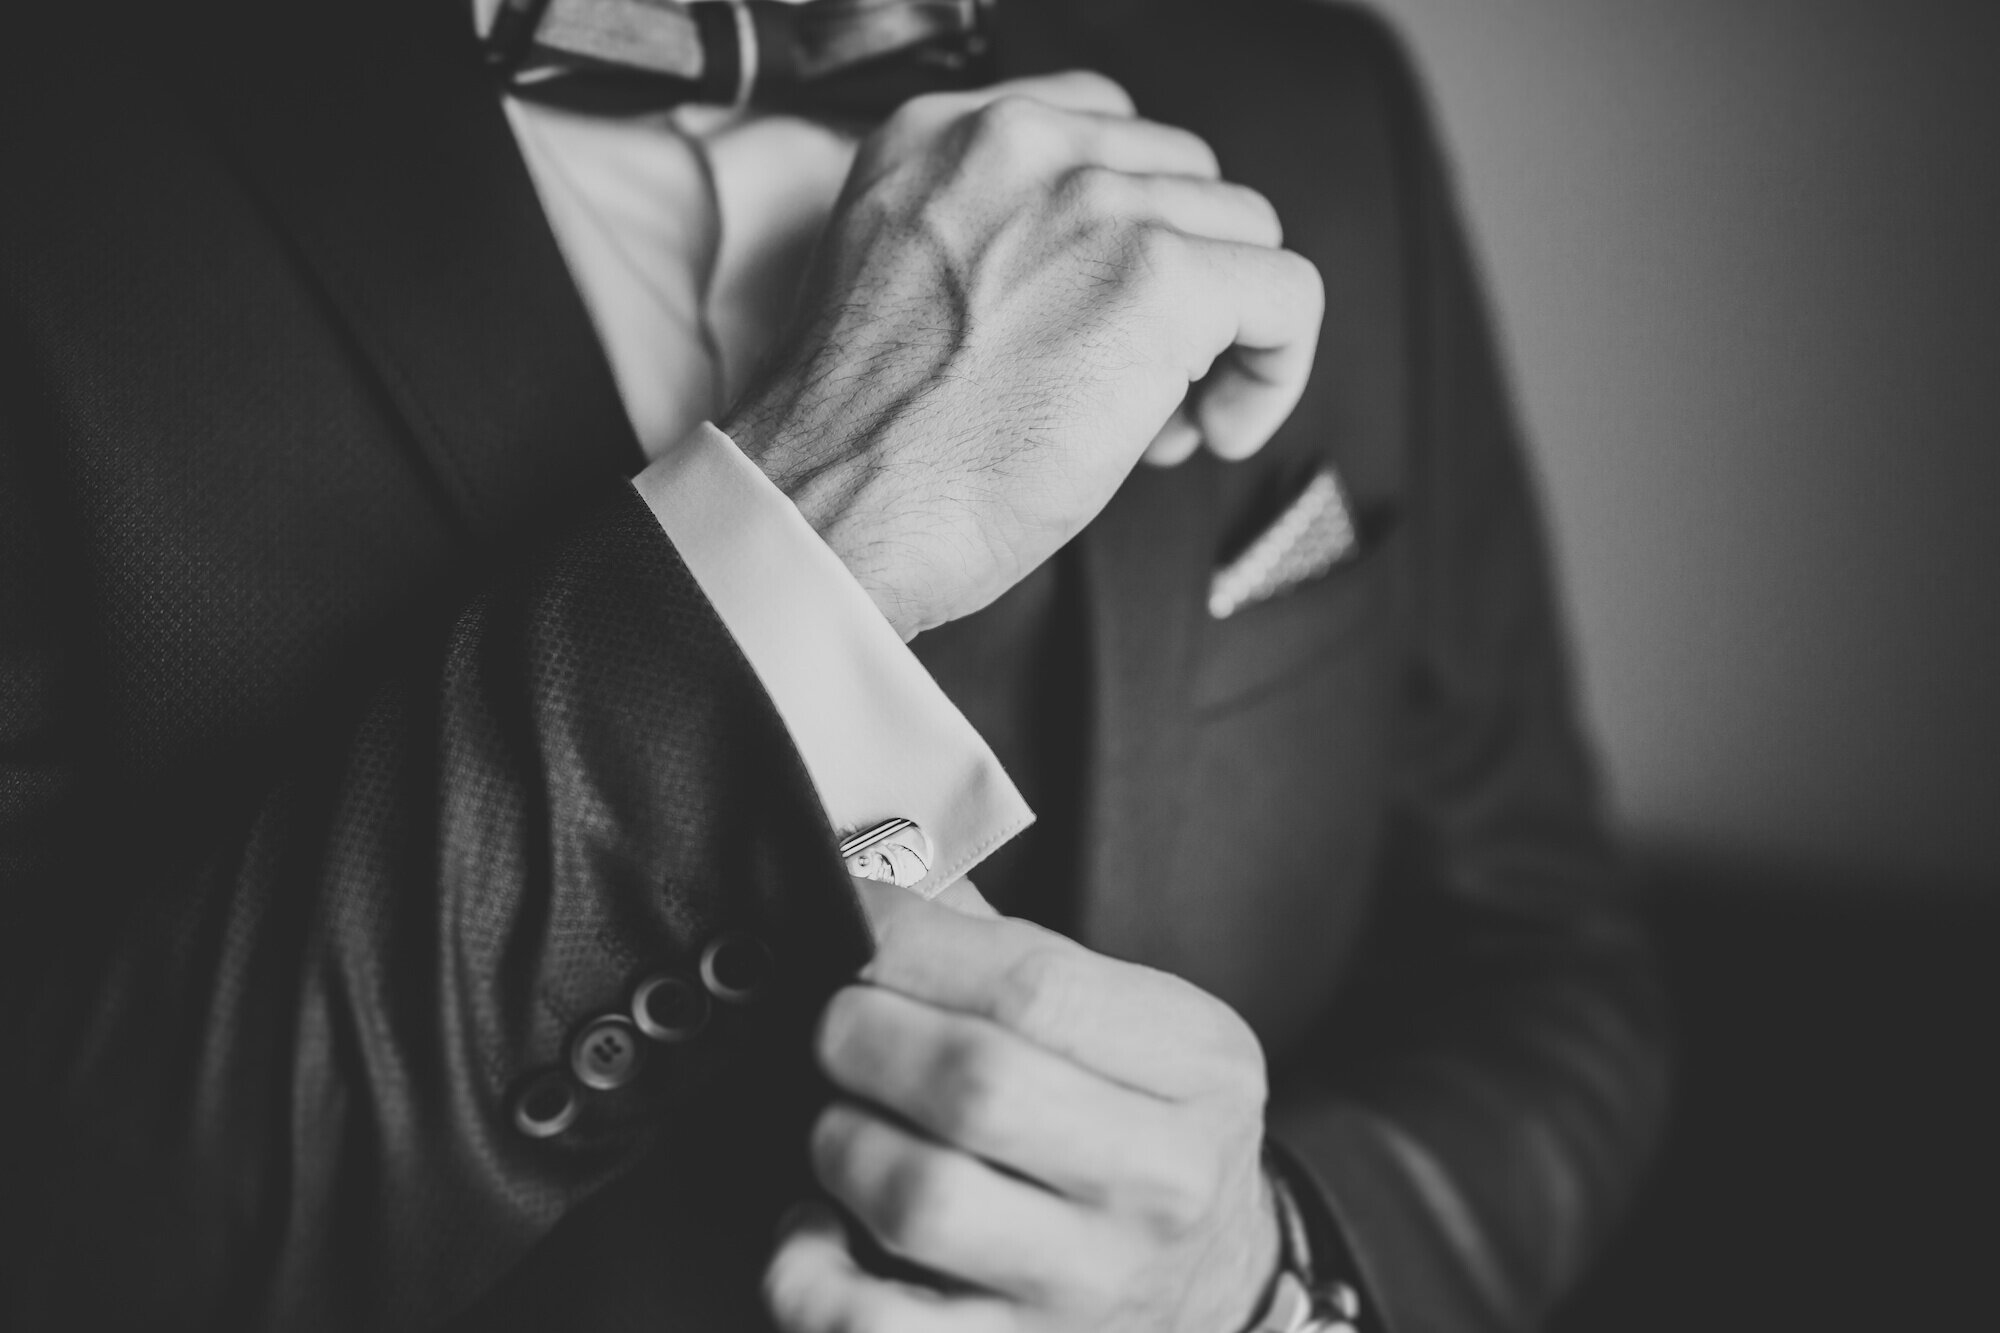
426, 848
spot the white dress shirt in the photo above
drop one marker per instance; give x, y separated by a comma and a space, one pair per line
687, 235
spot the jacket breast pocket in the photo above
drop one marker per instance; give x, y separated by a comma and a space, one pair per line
1270, 644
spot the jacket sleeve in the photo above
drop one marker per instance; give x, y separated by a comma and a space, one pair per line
1479, 1110
271, 1083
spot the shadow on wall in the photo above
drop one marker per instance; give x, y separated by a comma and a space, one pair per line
1745, 257
1834, 1161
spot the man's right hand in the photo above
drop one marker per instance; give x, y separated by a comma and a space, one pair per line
1015, 293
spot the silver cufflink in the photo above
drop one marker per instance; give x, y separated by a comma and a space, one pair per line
894, 852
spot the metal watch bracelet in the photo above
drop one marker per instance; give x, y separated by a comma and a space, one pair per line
1304, 1297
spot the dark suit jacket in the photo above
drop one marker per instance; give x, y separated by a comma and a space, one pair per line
361, 734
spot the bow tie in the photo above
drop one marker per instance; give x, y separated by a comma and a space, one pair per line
830, 56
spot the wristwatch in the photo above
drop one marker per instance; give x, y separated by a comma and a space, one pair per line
1315, 1289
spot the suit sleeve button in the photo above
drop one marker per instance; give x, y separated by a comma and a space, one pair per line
735, 967
668, 1007
605, 1055
546, 1106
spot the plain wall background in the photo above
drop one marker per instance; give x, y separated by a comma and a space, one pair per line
1746, 254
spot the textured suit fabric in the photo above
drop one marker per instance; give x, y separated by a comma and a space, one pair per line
361, 734
1017, 673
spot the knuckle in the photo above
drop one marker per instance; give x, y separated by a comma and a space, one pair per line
1245, 1070
1036, 990
903, 133
921, 117
1109, 88
1253, 1071
1010, 124
1257, 202
923, 109
916, 1203
1180, 1196
1152, 252
831, 1144
1199, 150
1160, 245
1228, 1046
837, 1024
1096, 192
970, 1082
1306, 279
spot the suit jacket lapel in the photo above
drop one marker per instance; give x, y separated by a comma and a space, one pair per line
381, 150
373, 137
1144, 568
1145, 562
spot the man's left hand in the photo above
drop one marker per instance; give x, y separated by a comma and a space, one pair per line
1067, 1141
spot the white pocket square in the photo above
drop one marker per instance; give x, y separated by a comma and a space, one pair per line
1312, 535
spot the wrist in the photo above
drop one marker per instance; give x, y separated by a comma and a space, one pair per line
1266, 1264
1316, 1287
828, 485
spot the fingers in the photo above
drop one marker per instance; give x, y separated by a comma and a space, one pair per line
1138, 1026
1079, 90
1059, 121
1213, 209
1024, 139
1176, 441
814, 1285
1268, 304
1268, 300
1245, 313
1253, 310
1106, 127
1142, 147
977, 1087
944, 1210
1257, 328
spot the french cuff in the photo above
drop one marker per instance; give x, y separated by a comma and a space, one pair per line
879, 738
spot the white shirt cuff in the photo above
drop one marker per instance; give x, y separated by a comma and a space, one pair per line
878, 736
